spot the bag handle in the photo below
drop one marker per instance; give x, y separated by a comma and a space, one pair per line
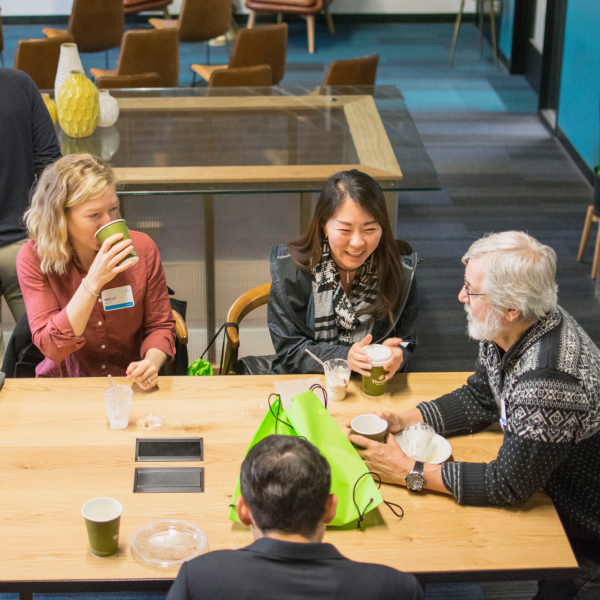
361, 516
319, 386
224, 326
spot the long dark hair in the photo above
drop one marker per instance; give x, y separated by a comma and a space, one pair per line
363, 189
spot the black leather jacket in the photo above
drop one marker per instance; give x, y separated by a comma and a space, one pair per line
291, 312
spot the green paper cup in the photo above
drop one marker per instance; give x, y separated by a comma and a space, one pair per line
370, 426
376, 383
102, 519
114, 227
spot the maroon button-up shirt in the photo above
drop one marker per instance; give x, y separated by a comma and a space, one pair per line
112, 339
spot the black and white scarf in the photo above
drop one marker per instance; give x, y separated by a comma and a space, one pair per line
336, 319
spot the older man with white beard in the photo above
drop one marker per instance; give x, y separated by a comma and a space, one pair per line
538, 373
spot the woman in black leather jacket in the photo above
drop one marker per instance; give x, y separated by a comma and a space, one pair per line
344, 284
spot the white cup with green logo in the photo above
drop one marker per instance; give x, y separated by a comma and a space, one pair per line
112, 228
376, 383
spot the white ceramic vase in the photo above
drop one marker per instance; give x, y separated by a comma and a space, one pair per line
68, 61
109, 109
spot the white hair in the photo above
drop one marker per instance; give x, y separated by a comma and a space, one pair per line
519, 272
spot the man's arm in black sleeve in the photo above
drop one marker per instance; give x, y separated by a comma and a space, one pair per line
45, 145
468, 409
535, 443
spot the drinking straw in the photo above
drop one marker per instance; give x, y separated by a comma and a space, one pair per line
317, 359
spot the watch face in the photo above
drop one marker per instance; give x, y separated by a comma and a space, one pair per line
414, 482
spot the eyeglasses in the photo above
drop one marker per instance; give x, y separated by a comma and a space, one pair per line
466, 286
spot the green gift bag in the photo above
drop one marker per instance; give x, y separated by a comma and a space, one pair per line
307, 417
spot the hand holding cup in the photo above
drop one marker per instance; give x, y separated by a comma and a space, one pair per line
358, 360
106, 264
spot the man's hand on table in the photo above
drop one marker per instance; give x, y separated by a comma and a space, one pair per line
387, 460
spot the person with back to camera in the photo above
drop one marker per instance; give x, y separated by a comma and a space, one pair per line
285, 500
67, 278
343, 285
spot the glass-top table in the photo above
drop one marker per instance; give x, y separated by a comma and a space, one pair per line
224, 140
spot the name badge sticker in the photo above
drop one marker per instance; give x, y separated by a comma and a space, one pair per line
502, 414
118, 298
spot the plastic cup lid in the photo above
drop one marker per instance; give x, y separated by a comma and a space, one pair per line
379, 354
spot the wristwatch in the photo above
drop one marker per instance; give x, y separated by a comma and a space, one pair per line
415, 480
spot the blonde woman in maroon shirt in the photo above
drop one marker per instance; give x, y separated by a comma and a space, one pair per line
66, 277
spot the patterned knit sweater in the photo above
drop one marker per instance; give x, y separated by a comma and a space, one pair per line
550, 384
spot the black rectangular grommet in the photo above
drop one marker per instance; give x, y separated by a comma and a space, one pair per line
168, 480
169, 449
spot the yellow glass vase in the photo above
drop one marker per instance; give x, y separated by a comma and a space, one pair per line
78, 108
51, 106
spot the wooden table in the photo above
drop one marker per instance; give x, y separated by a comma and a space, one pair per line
57, 451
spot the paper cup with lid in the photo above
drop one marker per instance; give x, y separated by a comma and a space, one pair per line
376, 383
112, 228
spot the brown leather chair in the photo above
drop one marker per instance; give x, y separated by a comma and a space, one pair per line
147, 51
305, 8
144, 80
356, 71
199, 21
39, 59
96, 25
258, 76
135, 6
262, 46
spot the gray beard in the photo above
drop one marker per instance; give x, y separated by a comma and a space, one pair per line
488, 329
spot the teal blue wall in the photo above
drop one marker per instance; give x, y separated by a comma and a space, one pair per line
506, 27
580, 80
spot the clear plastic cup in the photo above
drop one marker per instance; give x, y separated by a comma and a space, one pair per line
118, 406
418, 436
337, 376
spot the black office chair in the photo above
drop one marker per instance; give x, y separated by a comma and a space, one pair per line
23, 356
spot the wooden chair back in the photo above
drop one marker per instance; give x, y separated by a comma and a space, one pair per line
135, 6
356, 71
181, 331
258, 76
245, 304
203, 20
144, 80
261, 46
39, 59
97, 25
151, 51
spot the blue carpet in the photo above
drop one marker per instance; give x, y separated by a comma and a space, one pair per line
413, 57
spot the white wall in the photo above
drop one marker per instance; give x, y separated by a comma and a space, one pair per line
63, 7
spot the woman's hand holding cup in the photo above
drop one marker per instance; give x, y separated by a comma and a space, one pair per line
397, 356
358, 360
106, 264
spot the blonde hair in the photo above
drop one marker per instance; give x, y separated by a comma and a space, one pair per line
70, 181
